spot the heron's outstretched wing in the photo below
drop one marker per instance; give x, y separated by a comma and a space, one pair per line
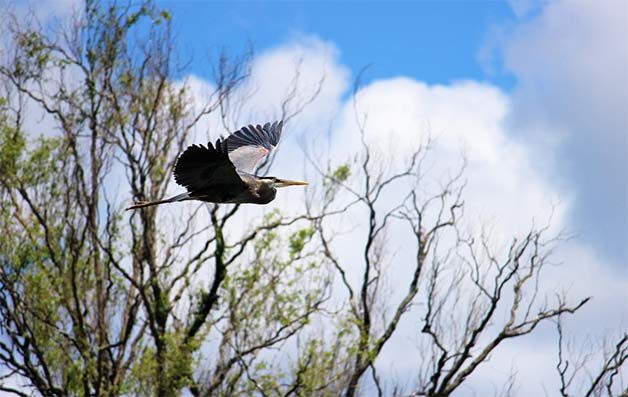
249, 145
199, 168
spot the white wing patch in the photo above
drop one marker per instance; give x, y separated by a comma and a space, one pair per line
246, 158
250, 144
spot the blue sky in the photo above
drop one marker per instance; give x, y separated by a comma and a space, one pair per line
436, 42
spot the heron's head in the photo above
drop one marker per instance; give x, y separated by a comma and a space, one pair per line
267, 187
275, 182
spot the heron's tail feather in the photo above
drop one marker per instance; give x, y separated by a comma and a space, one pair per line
142, 204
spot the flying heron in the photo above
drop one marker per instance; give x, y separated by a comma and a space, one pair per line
223, 173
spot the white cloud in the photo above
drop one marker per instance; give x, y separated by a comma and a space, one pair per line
308, 61
305, 65
570, 103
464, 117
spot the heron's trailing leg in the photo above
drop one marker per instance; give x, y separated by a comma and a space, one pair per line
142, 204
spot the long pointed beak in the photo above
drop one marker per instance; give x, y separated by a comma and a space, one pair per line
287, 182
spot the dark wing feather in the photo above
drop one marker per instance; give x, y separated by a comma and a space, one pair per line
249, 145
199, 168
